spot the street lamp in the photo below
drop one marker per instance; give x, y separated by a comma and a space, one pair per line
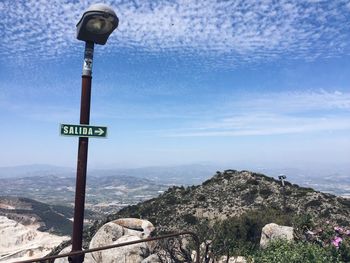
95, 26
282, 177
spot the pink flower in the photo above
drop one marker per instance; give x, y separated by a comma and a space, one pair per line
347, 232
338, 229
336, 241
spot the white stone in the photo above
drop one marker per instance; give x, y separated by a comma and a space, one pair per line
127, 254
274, 232
111, 233
238, 259
137, 224
87, 259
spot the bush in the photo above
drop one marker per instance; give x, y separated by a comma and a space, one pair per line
283, 251
314, 203
201, 198
331, 237
190, 219
240, 235
265, 192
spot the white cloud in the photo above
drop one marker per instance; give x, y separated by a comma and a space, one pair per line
242, 30
260, 125
294, 102
274, 114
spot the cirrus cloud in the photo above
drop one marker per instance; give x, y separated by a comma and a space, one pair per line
236, 30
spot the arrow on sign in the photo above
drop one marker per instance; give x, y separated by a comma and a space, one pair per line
99, 131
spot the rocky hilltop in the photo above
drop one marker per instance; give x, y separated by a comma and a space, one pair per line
231, 194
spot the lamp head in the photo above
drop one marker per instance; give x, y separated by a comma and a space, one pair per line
282, 177
97, 23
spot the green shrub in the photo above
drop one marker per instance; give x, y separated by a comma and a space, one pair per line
265, 192
344, 251
240, 235
190, 219
201, 198
343, 201
253, 181
313, 203
171, 200
283, 251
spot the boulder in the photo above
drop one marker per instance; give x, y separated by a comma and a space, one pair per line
273, 232
87, 259
136, 224
127, 254
114, 232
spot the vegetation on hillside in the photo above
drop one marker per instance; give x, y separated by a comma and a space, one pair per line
231, 209
52, 218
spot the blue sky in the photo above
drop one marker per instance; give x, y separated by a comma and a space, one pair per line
235, 82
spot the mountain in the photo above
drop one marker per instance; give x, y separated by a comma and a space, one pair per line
231, 194
31, 229
51, 218
35, 170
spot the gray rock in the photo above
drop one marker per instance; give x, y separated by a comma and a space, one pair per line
87, 259
136, 224
114, 231
127, 254
273, 232
106, 235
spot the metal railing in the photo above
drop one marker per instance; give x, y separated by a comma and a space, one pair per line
50, 259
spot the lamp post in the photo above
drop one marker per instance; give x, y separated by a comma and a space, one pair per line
94, 27
282, 177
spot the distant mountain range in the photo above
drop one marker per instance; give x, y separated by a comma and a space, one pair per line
183, 174
335, 181
34, 170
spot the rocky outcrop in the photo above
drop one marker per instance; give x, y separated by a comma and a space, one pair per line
87, 258
121, 231
273, 231
145, 226
116, 232
127, 254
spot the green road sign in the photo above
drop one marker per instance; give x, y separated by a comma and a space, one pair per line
83, 130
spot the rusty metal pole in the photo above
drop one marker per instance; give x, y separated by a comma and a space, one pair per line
79, 206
